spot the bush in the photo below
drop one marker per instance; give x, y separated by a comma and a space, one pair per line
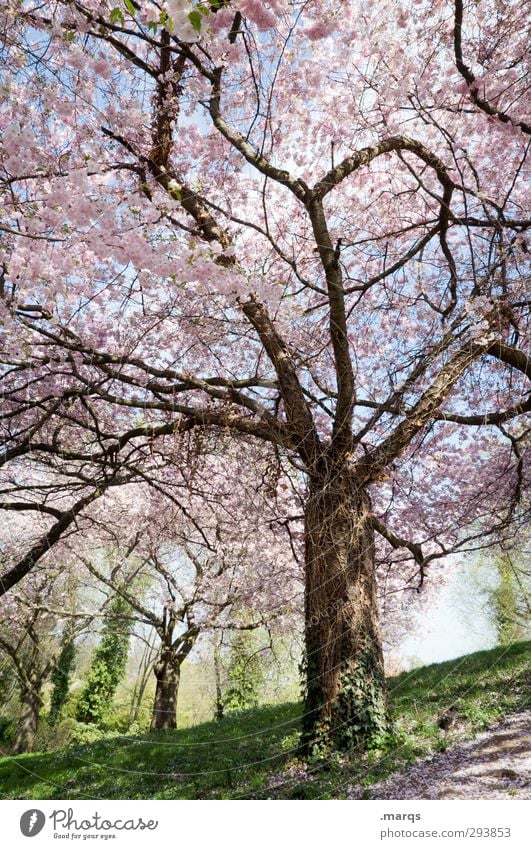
67, 732
82, 733
117, 721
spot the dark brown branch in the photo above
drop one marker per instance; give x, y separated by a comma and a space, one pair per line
371, 466
300, 420
298, 187
14, 575
468, 76
342, 434
363, 157
399, 542
189, 200
23, 506
510, 356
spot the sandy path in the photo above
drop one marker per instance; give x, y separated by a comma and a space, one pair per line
494, 765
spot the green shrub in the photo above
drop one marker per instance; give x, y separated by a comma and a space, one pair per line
82, 733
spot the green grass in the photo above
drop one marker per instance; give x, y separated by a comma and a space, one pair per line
253, 754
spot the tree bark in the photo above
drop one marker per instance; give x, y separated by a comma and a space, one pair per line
220, 707
167, 671
345, 685
141, 683
31, 702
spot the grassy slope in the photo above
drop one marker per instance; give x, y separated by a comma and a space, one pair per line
252, 754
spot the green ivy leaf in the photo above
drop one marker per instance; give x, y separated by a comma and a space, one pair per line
117, 16
130, 8
195, 19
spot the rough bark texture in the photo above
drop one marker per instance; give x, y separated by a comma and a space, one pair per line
345, 685
167, 672
28, 723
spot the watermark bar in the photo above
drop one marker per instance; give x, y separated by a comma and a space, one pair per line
257, 824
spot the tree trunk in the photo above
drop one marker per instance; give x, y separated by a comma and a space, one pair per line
28, 723
141, 690
141, 683
345, 685
167, 671
220, 707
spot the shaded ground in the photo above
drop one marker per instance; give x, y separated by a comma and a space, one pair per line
255, 754
495, 765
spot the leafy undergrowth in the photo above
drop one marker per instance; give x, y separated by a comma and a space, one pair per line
253, 754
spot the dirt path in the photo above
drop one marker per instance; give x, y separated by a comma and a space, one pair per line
495, 765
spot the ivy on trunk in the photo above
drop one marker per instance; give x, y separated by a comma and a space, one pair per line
345, 684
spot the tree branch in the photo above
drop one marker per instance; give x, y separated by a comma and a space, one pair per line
468, 76
14, 575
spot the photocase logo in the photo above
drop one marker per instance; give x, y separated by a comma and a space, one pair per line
32, 822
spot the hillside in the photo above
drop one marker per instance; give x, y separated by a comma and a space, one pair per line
253, 754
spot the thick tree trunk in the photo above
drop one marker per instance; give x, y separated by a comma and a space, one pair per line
167, 671
345, 686
28, 723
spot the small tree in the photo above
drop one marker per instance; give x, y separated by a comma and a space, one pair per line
245, 674
61, 676
187, 578
510, 602
108, 666
492, 596
27, 640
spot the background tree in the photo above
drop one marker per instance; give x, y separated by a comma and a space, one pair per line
107, 666
296, 228
244, 675
143, 674
28, 639
507, 595
183, 582
61, 675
